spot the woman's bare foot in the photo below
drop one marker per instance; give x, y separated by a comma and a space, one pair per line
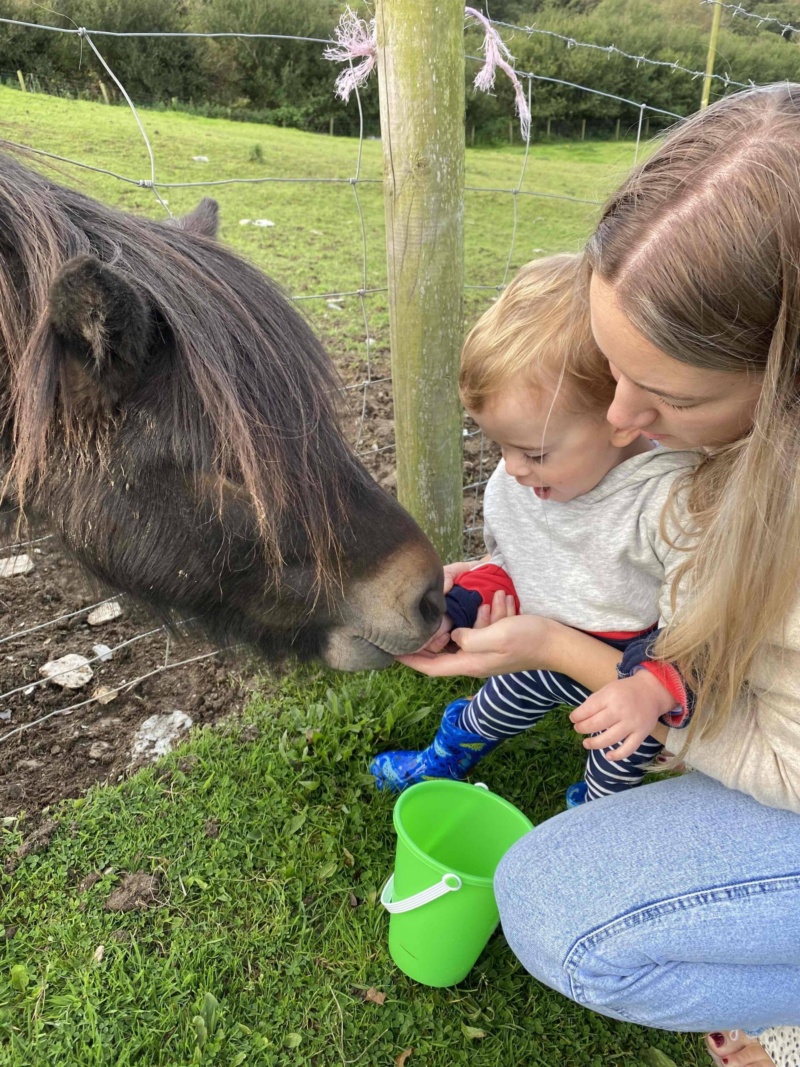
734, 1048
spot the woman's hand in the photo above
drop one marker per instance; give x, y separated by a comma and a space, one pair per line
515, 643
501, 607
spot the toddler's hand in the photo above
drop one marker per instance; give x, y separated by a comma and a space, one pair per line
441, 639
452, 571
624, 711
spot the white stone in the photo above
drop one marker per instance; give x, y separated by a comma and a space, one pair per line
103, 652
104, 695
105, 613
157, 735
200, 159
13, 566
263, 222
70, 672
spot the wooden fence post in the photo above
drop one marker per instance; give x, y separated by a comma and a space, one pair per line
104, 91
421, 80
21, 80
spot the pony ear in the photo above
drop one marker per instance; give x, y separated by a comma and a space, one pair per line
203, 221
103, 327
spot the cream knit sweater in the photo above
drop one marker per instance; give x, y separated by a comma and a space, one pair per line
758, 750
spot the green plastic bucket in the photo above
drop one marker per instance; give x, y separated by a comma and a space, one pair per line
450, 838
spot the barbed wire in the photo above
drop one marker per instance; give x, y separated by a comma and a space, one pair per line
28, 686
81, 30
611, 49
738, 11
57, 619
26, 544
113, 690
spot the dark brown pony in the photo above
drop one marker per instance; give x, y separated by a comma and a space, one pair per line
171, 415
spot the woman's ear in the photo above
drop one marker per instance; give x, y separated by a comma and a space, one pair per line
622, 438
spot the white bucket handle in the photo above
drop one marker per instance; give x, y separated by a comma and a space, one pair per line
425, 896
449, 883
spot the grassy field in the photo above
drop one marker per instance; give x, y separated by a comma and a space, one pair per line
315, 245
267, 842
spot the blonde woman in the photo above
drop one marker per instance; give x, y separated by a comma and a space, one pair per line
695, 297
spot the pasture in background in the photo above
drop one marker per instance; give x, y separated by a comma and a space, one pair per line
251, 931
316, 249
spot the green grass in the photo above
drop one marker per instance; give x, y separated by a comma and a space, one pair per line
262, 916
259, 920
316, 244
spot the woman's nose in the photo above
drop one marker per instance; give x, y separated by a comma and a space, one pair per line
628, 409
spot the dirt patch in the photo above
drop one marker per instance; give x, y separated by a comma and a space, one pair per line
64, 754
36, 841
136, 891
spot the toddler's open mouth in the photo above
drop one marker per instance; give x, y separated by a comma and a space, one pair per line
542, 491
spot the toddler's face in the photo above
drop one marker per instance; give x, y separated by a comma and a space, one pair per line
560, 455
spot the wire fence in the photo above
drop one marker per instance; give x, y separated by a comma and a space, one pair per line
368, 378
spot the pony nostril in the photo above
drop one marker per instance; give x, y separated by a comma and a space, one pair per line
431, 606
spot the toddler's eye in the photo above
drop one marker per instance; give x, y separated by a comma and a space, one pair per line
536, 459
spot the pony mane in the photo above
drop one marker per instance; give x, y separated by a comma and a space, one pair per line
251, 392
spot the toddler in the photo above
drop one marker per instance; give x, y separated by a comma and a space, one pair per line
572, 525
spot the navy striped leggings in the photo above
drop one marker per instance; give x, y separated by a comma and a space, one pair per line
508, 704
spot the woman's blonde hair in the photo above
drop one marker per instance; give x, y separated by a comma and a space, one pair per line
538, 334
702, 246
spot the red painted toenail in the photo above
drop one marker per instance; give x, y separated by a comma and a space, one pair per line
718, 1039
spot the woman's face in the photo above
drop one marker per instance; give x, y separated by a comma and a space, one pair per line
671, 402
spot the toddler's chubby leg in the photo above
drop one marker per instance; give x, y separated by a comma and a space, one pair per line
509, 704
605, 776
505, 706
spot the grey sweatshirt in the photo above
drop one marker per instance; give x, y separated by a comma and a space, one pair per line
596, 562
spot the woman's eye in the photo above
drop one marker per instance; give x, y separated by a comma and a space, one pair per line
675, 407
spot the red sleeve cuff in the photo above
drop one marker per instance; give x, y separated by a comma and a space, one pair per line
671, 680
488, 580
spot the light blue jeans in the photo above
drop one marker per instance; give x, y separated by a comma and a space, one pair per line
676, 905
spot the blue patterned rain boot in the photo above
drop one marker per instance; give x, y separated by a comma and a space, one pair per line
577, 794
452, 754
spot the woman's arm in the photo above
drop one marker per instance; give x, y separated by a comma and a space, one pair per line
523, 642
